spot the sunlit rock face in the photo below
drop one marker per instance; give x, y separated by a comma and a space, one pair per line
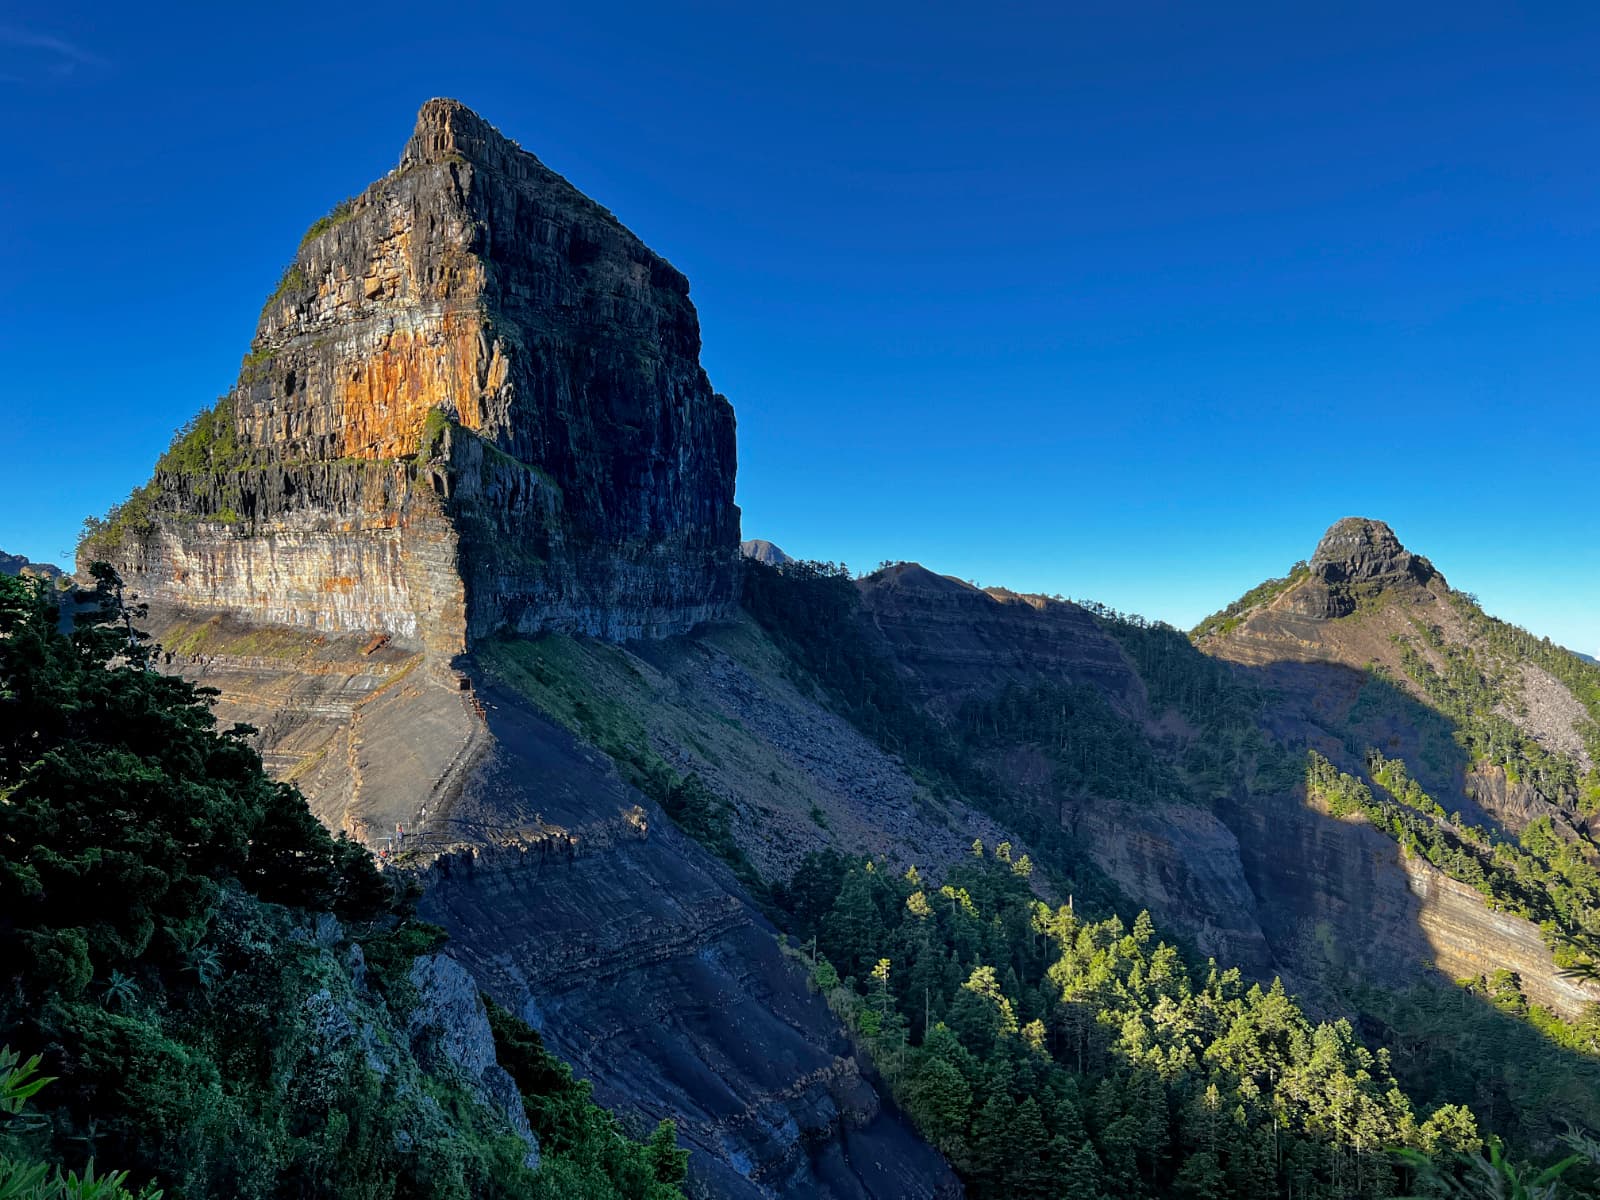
474, 403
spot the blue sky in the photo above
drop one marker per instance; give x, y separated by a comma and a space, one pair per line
1121, 301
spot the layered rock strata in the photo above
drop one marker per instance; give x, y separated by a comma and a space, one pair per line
473, 404
1262, 880
581, 907
953, 640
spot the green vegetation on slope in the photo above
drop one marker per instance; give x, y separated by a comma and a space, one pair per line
220, 989
1542, 878
1097, 752
1557, 890
205, 444
1228, 619
1479, 685
134, 516
808, 609
1225, 752
334, 217
1228, 749
1477, 1045
1513, 643
588, 1156
1049, 1056
555, 674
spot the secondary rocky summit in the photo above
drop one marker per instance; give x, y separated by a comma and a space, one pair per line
473, 403
1360, 556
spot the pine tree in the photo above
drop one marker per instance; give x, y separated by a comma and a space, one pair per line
1032, 1174
1081, 1179
1200, 1178
993, 1146
668, 1163
940, 1101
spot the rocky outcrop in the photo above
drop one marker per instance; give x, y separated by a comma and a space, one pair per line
449, 1029
953, 641
580, 906
474, 407
574, 901
1363, 590
473, 404
1259, 878
1358, 557
1332, 651
1183, 863
1361, 550
1343, 904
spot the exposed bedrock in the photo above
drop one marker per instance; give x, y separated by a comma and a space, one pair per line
582, 908
574, 901
1345, 903
474, 403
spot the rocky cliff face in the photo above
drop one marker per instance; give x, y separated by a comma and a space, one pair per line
574, 901
1259, 877
953, 642
1358, 558
473, 404
636, 955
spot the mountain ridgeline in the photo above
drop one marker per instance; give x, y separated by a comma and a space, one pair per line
880, 886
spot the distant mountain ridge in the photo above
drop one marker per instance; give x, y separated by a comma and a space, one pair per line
763, 551
16, 564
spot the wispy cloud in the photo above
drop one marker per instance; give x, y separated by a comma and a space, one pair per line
42, 52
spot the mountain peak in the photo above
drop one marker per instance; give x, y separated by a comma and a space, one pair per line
17, 564
764, 551
1361, 550
474, 403
1356, 557
447, 129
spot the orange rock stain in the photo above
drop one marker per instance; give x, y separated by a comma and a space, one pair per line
385, 398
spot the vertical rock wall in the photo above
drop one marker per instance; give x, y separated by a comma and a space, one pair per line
473, 403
